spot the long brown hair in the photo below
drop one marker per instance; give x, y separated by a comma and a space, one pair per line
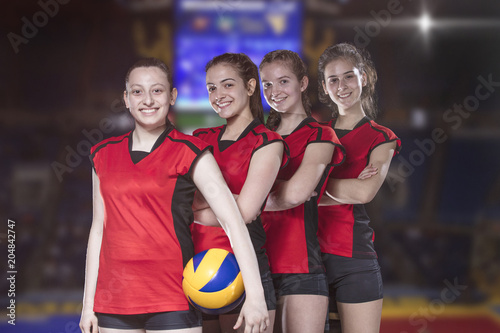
298, 68
247, 70
362, 61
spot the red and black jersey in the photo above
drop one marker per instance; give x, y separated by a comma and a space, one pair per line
344, 229
233, 158
292, 244
146, 239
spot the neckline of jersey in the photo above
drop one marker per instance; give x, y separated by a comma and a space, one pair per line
138, 155
227, 143
304, 122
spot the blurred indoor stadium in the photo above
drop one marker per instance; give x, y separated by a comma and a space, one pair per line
436, 219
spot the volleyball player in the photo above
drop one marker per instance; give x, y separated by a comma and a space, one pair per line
290, 219
249, 156
347, 80
143, 187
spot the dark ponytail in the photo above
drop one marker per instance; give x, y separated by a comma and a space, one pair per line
247, 71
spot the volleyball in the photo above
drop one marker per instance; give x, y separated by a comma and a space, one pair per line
212, 281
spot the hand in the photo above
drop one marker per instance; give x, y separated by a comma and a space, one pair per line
368, 172
88, 321
254, 315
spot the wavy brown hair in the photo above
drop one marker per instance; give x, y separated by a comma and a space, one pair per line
247, 70
298, 68
360, 59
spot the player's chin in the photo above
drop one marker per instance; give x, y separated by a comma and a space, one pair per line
225, 114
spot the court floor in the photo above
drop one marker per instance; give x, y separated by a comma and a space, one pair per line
401, 315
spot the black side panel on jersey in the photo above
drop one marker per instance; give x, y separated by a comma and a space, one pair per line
362, 244
258, 238
311, 229
311, 226
182, 215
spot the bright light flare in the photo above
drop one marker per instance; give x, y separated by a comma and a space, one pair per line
425, 22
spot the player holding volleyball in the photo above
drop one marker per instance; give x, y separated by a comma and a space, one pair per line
290, 219
347, 80
249, 156
143, 188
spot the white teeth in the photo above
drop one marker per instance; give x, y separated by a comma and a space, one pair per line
221, 105
148, 110
278, 100
344, 95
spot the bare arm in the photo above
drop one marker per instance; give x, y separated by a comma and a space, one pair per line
327, 200
364, 188
208, 178
299, 188
262, 173
88, 321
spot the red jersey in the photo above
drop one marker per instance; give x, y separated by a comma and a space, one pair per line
343, 229
292, 244
233, 158
146, 239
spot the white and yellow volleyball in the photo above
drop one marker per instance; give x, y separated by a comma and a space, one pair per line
212, 281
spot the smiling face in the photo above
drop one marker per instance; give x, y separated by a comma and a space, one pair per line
344, 83
149, 96
282, 89
227, 92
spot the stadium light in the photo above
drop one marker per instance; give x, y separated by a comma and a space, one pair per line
425, 23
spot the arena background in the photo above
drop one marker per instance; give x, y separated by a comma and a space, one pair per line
437, 217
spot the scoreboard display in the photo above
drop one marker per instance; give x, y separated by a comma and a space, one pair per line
205, 29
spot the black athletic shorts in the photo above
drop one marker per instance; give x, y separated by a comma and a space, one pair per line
171, 320
269, 294
300, 284
352, 280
